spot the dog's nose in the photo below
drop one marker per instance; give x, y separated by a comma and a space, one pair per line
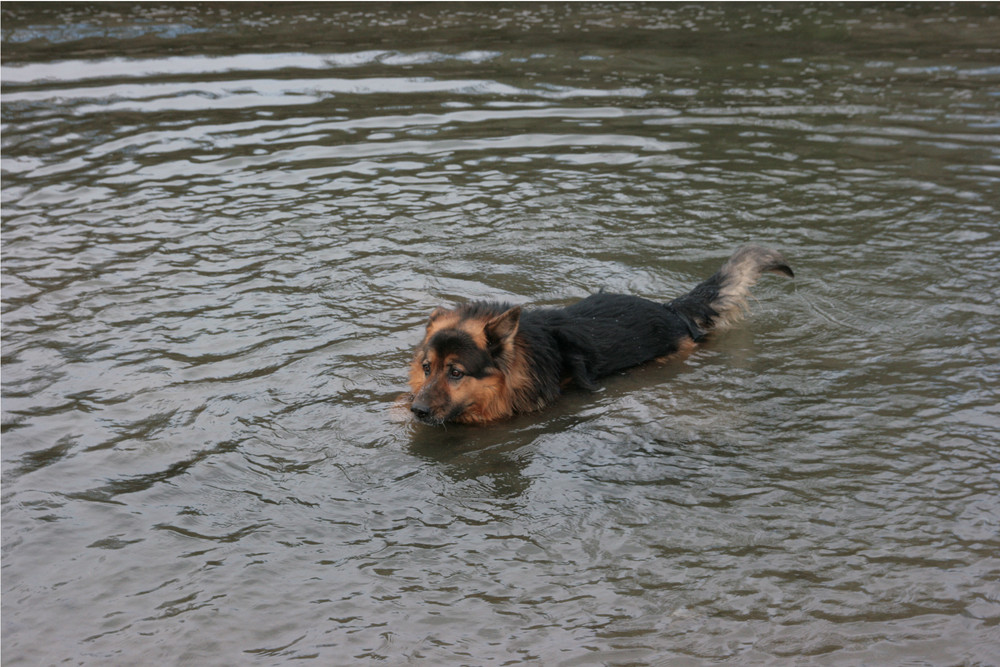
420, 411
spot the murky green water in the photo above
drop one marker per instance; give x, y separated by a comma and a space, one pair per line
223, 229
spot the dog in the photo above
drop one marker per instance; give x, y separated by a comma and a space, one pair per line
483, 362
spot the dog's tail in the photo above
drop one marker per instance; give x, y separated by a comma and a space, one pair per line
721, 300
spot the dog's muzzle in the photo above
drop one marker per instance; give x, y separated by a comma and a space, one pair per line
422, 411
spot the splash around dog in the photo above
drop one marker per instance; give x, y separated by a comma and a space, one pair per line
483, 362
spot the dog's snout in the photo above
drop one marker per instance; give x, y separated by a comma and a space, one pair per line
420, 410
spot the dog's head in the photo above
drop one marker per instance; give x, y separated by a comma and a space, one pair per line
458, 373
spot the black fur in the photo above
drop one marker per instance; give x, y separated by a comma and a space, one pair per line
601, 335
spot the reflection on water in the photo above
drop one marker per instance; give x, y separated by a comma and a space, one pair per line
223, 229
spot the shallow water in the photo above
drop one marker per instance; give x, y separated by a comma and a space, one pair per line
223, 231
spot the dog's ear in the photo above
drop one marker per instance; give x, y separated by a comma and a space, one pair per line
500, 331
435, 314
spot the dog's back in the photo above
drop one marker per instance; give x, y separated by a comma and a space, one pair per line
604, 334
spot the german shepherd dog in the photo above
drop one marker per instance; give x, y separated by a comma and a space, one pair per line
483, 361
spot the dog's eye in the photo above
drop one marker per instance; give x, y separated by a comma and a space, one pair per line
455, 373
427, 368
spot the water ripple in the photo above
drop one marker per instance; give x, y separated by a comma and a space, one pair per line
216, 262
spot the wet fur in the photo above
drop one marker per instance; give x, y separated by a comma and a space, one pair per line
485, 361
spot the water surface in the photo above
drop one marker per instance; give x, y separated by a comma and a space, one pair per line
223, 230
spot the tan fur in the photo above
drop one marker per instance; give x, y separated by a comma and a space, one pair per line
684, 350
519, 395
741, 272
439, 320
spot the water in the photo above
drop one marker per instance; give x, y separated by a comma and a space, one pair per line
223, 229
